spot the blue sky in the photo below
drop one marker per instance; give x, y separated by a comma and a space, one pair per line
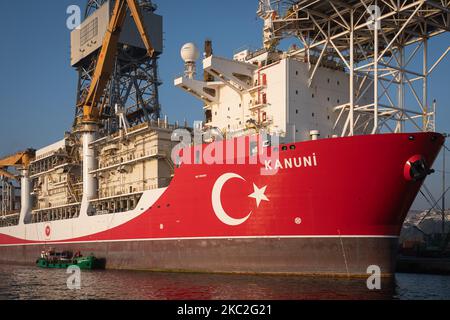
38, 85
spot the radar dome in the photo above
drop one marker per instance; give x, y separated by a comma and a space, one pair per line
189, 52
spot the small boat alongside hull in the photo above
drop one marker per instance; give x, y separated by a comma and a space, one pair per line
56, 260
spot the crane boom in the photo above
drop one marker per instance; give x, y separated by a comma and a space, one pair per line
137, 17
18, 160
4, 173
92, 111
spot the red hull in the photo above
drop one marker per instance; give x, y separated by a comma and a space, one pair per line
354, 187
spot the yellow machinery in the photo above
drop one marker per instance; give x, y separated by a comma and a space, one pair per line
92, 109
20, 160
8, 199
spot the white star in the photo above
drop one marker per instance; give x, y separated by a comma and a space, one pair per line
258, 194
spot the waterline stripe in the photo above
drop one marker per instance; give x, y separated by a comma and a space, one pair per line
62, 242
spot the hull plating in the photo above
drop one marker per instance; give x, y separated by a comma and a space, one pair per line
328, 201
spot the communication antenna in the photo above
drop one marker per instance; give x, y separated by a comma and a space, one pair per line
190, 54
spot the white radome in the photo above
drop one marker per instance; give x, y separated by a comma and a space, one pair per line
189, 52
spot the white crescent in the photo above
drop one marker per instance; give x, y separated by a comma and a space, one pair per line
217, 203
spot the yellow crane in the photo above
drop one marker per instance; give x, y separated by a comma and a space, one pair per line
20, 160
92, 108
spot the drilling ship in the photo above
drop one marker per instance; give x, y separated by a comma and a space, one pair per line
324, 190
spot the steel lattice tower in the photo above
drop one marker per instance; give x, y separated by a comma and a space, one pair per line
133, 85
382, 43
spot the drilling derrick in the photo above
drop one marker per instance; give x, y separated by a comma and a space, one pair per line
131, 91
377, 44
115, 50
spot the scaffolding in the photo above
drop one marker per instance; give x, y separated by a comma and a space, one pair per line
383, 46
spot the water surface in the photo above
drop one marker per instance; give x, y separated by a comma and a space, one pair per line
22, 282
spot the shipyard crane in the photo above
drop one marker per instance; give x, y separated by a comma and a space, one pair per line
93, 105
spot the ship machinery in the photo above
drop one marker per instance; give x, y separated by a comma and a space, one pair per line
117, 129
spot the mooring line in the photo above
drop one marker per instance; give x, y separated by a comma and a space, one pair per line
343, 253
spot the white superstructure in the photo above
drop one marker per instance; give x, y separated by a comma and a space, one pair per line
271, 90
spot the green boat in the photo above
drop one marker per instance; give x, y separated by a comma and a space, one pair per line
63, 260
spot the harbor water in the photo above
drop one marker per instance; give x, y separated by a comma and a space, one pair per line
28, 282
